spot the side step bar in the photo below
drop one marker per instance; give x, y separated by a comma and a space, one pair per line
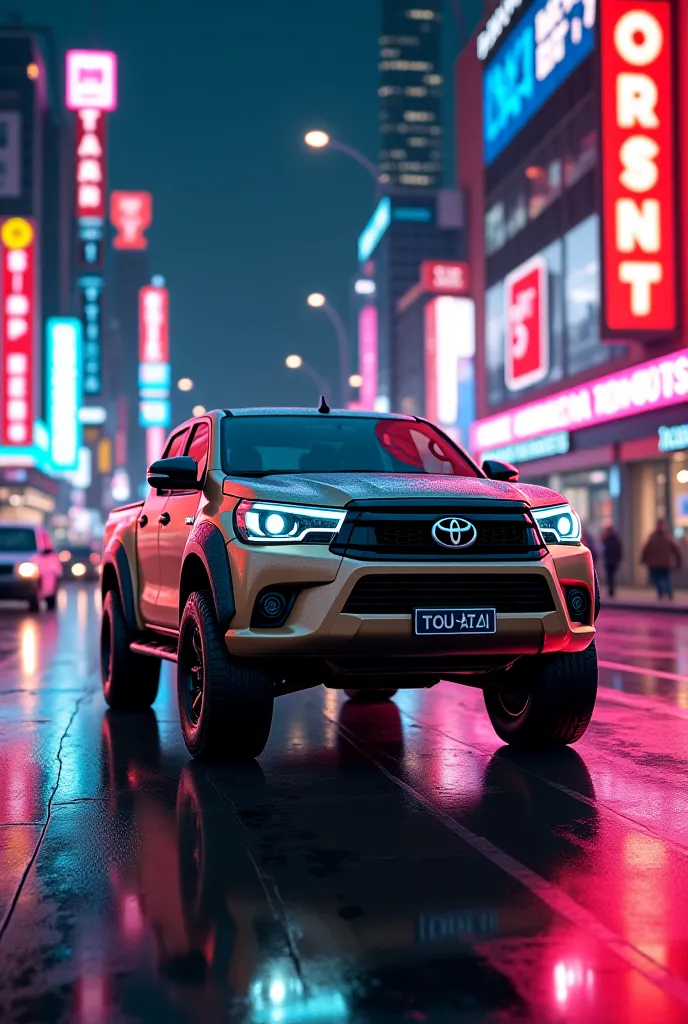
157, 648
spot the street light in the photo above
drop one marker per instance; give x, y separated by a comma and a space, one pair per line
198, 410
316, 300
355, 380
185, 384
318, 139
295, 362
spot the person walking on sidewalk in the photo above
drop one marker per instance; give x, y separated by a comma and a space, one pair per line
661, 555
612, 551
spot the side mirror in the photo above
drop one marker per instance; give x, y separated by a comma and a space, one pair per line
494, 470
179, 473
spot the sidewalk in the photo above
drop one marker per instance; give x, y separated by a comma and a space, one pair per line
645, 598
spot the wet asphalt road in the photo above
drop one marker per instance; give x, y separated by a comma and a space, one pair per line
380, 864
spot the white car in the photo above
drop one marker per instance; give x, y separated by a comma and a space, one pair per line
30, 569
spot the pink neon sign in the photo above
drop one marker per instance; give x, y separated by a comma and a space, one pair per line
367, 356
91, 80
637, 389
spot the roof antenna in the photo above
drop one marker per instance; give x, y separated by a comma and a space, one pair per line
323, 407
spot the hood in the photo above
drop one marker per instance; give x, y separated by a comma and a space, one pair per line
338, 489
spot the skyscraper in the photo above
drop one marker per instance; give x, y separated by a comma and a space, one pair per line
410, 93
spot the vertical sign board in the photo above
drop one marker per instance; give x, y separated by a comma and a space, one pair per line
367, 356
637, 148
18, 326
90, 164
131, 213
154, 356
526, 318
64, 376
449, 353
91, 288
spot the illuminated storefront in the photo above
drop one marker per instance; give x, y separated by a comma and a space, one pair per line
580, 358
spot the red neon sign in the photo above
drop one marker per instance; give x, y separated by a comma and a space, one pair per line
526, 359
17, 253
638, 172
131, 213
90, 163
446, 278
154, 325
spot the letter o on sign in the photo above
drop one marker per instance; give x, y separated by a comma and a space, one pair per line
638, 38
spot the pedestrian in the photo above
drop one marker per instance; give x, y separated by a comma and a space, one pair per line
661, 555
612, 551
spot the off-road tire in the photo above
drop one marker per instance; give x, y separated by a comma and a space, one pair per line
228, 716
130, 681
558, 693
370, 696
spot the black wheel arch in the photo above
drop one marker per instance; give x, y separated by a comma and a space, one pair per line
206, 567
116, 575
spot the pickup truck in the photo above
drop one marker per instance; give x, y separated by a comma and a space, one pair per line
280, 549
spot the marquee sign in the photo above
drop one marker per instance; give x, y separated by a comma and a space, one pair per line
638, 168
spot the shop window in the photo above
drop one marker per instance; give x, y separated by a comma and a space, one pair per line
544, 177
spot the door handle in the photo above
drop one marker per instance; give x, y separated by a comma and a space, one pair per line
143, 521
164, 519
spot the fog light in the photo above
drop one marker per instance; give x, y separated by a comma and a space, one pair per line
578, 603
272, 605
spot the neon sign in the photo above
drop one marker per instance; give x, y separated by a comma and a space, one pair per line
638, 170
537, 57
90, 163
375, 229
653, 385
64, 356
91, 80
131, 213
526, 359
18, 321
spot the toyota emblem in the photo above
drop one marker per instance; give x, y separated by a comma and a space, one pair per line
454, 533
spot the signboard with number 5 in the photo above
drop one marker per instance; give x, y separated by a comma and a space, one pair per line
526, 360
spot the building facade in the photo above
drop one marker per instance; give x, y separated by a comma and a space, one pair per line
411, 86
568, 149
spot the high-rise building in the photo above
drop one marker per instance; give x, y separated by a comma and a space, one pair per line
411, 85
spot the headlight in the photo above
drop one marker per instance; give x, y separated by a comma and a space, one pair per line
559, 524
78, 569
261, 522
27, 570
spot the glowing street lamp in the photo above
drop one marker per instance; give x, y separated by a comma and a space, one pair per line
317, 139
294, 362
185, 384
355, 380
198, 410
316, 300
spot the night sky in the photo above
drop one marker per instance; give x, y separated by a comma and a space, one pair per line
214, 98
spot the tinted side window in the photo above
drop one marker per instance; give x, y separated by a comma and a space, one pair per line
175, 445
198, 447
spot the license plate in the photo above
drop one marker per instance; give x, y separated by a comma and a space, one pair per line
455, 620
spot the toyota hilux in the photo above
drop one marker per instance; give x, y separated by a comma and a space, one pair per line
280, 549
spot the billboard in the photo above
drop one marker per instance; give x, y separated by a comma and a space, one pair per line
91, 80
131, 213
90, 164
17, 329
526, 315
637, 153
445, 278
64, 385
547, 44
656, 384
449, 343
154, 334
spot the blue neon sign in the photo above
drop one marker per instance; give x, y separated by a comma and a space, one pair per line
64, 391
375, 229
535, 60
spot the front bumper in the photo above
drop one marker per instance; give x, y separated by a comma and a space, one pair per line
319, 627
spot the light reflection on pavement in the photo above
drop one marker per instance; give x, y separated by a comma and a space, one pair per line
379, 864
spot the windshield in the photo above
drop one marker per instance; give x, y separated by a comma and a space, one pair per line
337, 444
17, 538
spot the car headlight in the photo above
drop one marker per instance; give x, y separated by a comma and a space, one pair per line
78, 569
558, 524
27, 570
261, 522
